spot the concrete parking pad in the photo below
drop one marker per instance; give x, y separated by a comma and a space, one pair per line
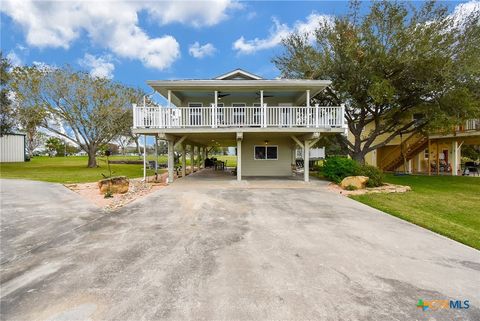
206, 249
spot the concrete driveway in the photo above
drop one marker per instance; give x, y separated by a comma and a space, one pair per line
208, 250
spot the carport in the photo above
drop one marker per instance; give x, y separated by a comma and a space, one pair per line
258, 153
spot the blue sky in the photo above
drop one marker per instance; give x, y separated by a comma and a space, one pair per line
135, 41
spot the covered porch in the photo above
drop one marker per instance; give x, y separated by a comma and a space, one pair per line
257, 154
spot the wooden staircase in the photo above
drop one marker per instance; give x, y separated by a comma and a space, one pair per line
413, 145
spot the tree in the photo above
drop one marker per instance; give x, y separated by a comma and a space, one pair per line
30, 119
389, 65
34, 142
7, 118
87, 111
55, 146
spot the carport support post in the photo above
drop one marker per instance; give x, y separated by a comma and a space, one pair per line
171, 161
239, 156
184, 161
306, 161
144, 158
454, 158
192, 159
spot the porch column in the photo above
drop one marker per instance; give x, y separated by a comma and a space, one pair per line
184, 160
308, 99
239, 156
169, 98
192, 159
455, 158
263, 109
171, 161
200, 152
156, 157
418, 162
144, 158
306, 161
429, 161
438, 160
214, 114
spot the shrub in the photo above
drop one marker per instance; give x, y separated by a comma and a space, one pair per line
337, 168
375, 175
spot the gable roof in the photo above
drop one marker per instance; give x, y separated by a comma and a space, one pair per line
238, 74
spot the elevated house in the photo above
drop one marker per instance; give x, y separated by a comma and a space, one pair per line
266, 120
426, 154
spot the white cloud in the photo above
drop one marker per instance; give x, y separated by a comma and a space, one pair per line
280, 31
113, 24
195, 13
198, 51
101, 66
14, 59
463, 10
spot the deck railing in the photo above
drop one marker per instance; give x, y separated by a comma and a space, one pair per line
229, 116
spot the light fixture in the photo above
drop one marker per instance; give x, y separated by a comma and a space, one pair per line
266, 142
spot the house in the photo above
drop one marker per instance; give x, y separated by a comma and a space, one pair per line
419, 153
12, 148
266, 120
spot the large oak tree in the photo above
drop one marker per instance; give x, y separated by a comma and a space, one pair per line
86, 110
389, 64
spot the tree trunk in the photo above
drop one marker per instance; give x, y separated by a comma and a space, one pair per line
359, 157
92, 161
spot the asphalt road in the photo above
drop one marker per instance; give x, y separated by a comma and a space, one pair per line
205, 250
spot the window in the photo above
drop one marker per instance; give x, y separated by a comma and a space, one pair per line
257, 114
195, 113
266, 152
238, 113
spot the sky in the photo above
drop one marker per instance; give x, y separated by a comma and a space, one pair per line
135, 41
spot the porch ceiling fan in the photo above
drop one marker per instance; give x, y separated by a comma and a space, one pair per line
221, 94
264, 96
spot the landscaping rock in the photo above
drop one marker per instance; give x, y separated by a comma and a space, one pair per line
358, 182
116, 185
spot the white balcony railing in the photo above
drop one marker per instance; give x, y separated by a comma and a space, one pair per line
249, 116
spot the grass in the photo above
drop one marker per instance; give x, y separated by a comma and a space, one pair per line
72, 169
231, 160
444, 204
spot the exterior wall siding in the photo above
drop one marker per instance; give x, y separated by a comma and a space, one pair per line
279, 167
12, 148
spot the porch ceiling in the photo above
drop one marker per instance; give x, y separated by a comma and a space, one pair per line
229, 139
181, 89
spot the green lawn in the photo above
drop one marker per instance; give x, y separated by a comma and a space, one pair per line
70, 169
73, 169
231, 160
444, 204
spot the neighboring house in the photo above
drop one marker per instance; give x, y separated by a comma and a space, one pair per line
414, 153
12, 148
264, 119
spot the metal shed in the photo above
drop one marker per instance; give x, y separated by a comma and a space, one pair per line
12, 148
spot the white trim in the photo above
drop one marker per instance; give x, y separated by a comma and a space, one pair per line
240, 72
265, 146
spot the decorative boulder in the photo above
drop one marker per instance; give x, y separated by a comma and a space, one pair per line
357, 181
116, 185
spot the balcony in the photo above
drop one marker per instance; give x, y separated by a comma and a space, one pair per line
238, 117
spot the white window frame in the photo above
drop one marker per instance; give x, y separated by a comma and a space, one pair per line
265, 146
